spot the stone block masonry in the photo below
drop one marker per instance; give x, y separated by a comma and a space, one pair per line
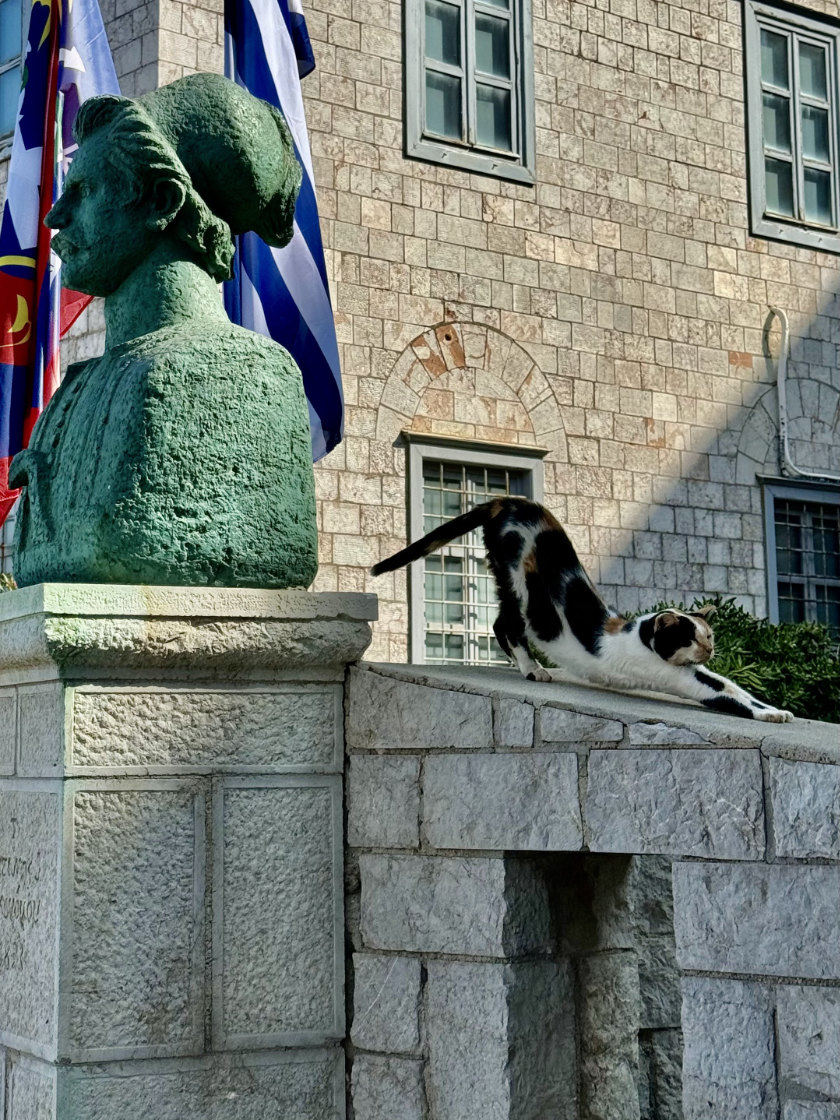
611, 314
584, 904
171, 852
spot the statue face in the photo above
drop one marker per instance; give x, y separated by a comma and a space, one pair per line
101, 238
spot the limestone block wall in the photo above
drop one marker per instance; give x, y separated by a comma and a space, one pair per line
598, 907
171, 853
627, 276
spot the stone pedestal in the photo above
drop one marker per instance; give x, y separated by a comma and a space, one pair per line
171, 919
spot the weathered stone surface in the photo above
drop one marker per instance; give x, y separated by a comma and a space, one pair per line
277, 921
429, 904
88, 626
810, 1110
806, 808
137, 980
418, 717
649, 734
387, 1088
751, 918
307, 1085
501, 1041
30, 838
728, 1062
514, 723
809, 1040
8, 727
386, 1003
42, 729
517, 802
560, 726
659, 983
383, 799
608, 1025
678, 802
31, 1092
663, 1051
267, 728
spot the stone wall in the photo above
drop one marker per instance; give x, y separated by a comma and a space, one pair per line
518, 947
626, 279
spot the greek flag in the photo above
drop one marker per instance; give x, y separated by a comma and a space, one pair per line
283, 293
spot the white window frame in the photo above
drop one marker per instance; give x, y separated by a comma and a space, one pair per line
774, 489
6, 138
797, 230
460, 452
420, 143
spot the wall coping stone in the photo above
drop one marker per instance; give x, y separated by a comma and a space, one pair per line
802, 740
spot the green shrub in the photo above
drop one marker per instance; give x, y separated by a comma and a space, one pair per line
790, 665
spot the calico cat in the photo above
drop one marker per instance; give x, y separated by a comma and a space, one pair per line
547, 600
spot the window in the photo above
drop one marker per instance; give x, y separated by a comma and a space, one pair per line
453, 598
470, 85
11, 47
803, 562
793, 127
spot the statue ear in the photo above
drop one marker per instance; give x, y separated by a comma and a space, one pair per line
166, 198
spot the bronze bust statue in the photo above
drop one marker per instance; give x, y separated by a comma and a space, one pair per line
182, 454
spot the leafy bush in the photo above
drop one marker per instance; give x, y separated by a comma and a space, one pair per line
790, 665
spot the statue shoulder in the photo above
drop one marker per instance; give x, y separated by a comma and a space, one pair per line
221, 348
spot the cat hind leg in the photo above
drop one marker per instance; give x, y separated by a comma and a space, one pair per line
512, 639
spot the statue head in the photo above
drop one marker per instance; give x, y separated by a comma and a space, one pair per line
192, 162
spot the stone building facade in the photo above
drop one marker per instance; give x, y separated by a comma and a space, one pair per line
612, 315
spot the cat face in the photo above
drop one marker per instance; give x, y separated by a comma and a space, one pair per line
683, 638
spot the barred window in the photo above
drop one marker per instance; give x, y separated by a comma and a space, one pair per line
793, 123
453, 597
805, 558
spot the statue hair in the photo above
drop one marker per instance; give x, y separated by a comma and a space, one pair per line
144, 156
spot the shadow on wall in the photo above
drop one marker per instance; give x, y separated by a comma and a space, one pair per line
652, 462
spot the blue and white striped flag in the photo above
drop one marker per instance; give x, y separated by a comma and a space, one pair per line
283, 293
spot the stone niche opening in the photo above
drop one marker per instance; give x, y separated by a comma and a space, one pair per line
613, 919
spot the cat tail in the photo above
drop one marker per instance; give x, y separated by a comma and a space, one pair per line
457, 527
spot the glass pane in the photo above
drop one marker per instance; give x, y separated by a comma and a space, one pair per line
443, 104
779, 184
788, 538
774, 62
812, 71
827, 541
492, 117
10, 30
818, 196
776, 119
828, 606
492, 46
815, 133
496, 4
443, 32
9, 96
791, 602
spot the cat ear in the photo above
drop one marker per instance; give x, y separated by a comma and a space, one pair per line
706, 612
665, 618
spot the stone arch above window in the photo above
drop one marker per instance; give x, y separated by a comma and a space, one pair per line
470, 381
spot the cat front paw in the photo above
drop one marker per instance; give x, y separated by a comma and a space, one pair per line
540, 674
773, 715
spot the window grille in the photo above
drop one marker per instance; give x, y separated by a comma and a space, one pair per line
453, 595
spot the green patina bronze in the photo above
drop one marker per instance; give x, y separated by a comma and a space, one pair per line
182, 455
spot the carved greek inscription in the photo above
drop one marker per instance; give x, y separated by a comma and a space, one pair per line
18, 910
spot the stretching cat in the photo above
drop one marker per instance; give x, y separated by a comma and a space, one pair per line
547, 599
